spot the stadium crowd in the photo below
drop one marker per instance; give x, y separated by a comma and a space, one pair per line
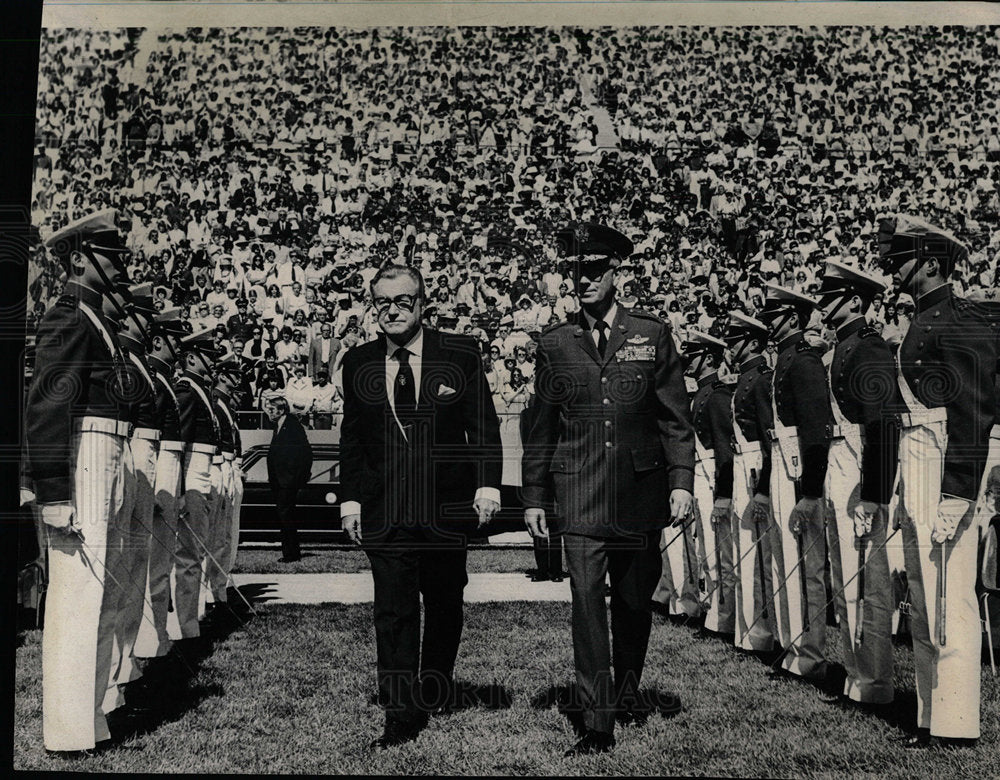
270, 172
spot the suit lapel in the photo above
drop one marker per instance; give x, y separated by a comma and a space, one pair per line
616, 335
430, 361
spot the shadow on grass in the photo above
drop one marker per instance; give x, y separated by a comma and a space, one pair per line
466, 696
566, 699
167, 689
257, 593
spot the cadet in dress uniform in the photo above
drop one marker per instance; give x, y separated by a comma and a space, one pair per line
200, 432
711, 413
860, 477
153, 640
801, 401
753, 420
137, 305
946, 366
76, 444
612, 439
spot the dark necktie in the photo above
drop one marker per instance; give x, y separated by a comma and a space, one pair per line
404, 394
602, 336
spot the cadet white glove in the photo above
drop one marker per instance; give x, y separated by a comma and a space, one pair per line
761, 507
25, 496
864, 515
58, 514
805, 510
950, 512
722, 510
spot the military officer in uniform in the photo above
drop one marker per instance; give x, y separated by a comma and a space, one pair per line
76, 445
753, 420
946, 366
800, 397
711, 413
861, 473
613, 442
153, 640
200, 432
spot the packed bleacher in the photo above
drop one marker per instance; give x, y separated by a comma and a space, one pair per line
269, 172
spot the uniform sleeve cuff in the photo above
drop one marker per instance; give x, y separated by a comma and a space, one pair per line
350, 508
52, 489
681, 478
489, 493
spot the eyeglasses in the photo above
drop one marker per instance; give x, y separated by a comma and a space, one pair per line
404, 302
593, 268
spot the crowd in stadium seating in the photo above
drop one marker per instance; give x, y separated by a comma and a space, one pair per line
270, 172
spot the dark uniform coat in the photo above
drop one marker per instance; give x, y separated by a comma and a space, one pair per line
801, 399
863, 381
711, 412
199, 424
612, 436
168, 413
949, 358
752, 407
78, 373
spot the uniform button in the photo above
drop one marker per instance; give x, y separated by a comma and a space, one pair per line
604, 380
607, 423
927, 329
937, 314
920, 345
917, 363
606, 401
608, 445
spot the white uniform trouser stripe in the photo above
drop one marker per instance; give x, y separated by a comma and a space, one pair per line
192, 522
753, 590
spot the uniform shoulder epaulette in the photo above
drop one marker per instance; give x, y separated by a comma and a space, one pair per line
764, 368
988, 311
67, 301
868, 331
804, 346
642, 314
555, 326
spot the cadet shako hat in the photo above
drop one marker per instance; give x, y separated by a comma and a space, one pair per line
229, 364
778, 299
902, 237
841, 280
141, 300
202, 341
742, 326
168, 322
97, 231
697, 344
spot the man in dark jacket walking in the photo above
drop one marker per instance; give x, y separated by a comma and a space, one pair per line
289, 462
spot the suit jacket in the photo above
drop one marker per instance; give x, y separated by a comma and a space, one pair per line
289, 457
453, 446
610, 437
315, 356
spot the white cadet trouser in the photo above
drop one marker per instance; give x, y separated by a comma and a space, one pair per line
153, 640
801, 622
948, 675
985, 507
237, 503
219, 537
867, 657
716, 552
135, 530
678, 585
78, 636
754, 629
210, 572
192, 525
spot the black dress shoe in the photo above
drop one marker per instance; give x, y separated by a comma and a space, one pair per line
397, 733
539, 577
290, 558
557, 578
590, 743
918, 741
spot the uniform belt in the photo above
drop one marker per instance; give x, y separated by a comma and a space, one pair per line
746, 449
102, 425
171, 446
995, 432
913, 419
843, 431
229, 457
216, 460
206, 449
152, 434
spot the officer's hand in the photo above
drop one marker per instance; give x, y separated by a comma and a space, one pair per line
534, 518
681, 506
864, 514
352, 527
805, 510
485, 508
950, 512
722, 510
58, 515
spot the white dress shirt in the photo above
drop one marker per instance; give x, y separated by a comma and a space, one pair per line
415, 347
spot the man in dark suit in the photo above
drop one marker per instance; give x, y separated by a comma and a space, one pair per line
612, 438
420, 434
289, 463
323, 352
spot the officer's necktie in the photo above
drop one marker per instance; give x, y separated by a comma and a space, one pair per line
602, 336
404, 392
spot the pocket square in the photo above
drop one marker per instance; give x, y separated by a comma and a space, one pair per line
444, 390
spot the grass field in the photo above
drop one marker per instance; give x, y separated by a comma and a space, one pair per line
291, 692
317, 559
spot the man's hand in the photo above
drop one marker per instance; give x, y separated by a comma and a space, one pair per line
58, 515
485, 508
950, 512
864, 515
535, 520
760, 507
352, 527
722, 510
805, 510
681, 506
